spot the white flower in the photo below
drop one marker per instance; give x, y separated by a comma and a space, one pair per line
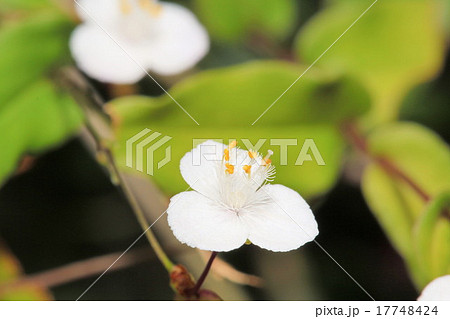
232, 202
437, 290
162, 37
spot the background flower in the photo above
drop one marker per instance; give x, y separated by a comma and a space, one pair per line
437, 290
140, 35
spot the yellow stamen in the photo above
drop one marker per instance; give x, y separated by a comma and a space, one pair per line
226, 154
150, 6
266, 159
232, 145
252, 154
230, 168
247, 168
125, 7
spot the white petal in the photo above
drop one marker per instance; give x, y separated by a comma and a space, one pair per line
181, 41
99, 57
199, 167
102, 11
437, 290
284, 222
201, 223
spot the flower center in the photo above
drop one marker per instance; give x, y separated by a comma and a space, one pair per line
137, 22
150, 6
241, 174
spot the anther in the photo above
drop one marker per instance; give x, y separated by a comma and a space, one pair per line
230, 168
252, 154
226, 154
125, 7
266, 159
232, 145
247, 169
150, 6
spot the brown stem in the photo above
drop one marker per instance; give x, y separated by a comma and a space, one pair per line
361, 144
204, 273
119, 90
266, 46
226, 271
77, 270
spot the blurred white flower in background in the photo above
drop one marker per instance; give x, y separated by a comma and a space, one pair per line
162, 37
437, 290
232, 203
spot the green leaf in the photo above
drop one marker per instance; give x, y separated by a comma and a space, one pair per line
419, 152
33, 121
446, 17
24, 4
424, 158
389, 207
393, 47
235, 20
432, 239
227, 101
28, 49
10, 269
238, 95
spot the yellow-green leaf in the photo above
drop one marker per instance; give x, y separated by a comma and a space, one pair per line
37, 119
432, 239
10, 269
395, 45
226, 102
424, 158
29, 49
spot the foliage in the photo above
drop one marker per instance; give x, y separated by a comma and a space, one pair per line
235, 20
375, 49
367, 56
34, 120
32, 113
227, 101
405, 216
10, 269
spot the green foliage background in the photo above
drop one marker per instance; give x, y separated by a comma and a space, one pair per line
379, 72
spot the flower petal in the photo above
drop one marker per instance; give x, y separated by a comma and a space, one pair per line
437, 290
98, 11
181, 42
99, 57
199, 167
283, 222
201, 223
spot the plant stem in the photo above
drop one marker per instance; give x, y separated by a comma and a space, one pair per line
360, 143
91, 104
159, 251
77, 270
204, 273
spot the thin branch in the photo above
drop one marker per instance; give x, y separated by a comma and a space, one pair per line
98, 125
360, 143
205, 272
77, 270
224, 270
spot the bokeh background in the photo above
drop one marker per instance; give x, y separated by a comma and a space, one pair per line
58, 205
